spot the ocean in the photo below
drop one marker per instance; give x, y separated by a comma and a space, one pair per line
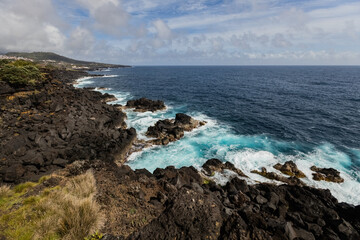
256, 117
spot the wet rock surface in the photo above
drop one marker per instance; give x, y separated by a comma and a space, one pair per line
326, 174
144, 104
290, 168
170, 130
178, 204
47, 126
55, 127
292, 180
215, 165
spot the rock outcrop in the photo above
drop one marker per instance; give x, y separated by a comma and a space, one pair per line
290, 168
45, 127
274, 176
178, 204
170, 130
326, 174
215, 165
144, 104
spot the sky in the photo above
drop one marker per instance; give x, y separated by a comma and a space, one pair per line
186, 32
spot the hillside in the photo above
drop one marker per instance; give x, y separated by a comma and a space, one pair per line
53, 58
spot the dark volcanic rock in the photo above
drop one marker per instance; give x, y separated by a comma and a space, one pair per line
215, 165
188, 215
273, 176
170, 130
290, 168
181, 206
144, 104
50, 125
326, 174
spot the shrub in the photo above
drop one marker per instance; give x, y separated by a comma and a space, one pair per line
20, 73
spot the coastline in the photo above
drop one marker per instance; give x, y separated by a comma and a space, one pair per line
184, 200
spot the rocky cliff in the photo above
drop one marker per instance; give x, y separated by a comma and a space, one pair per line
49, 125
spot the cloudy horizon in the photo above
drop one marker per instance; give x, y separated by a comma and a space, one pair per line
189, 32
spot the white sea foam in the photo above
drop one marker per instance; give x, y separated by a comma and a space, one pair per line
215, 140
109, 76
83, 81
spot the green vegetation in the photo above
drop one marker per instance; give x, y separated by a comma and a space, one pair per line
95, 236
206, 181
56, 59
20, 73
30, 211
23, 186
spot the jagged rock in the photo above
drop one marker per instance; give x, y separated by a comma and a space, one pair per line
52, 124
108, 98
188, 214
170, 130
215, 165
273, 176
290, 168
144, 104
326, 174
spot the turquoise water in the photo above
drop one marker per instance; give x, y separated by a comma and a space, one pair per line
256, 117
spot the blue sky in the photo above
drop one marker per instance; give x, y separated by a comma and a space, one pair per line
187, 32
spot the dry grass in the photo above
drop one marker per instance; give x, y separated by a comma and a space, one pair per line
68, 212
75, 213
82, 186
5, 191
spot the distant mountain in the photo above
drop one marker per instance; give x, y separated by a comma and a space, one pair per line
50, 57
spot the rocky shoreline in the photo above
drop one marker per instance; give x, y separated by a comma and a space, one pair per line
54, 127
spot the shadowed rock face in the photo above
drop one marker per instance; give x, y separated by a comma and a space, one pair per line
170, 130
144, 104
326, 174
179, 204
43, 128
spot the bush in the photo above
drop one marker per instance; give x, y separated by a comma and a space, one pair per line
20, 73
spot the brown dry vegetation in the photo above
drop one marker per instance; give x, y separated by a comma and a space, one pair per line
65, 211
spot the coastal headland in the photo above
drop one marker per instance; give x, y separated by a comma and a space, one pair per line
55, 138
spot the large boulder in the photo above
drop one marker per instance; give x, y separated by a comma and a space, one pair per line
215, 165
170, 130
144, 104
326, 174
290, 168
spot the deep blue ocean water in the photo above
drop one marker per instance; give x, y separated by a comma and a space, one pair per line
257, 116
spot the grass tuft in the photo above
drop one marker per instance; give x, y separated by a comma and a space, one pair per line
24, 186
66, 211
5, 191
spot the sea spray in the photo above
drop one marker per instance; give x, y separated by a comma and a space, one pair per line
247, 152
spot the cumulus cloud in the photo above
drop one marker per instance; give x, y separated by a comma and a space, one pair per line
107, 16
81, 42
25, 25
185, 32
162, 29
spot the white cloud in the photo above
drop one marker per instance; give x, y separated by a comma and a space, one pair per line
162, 29
25, 25
108, 15
198, 32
